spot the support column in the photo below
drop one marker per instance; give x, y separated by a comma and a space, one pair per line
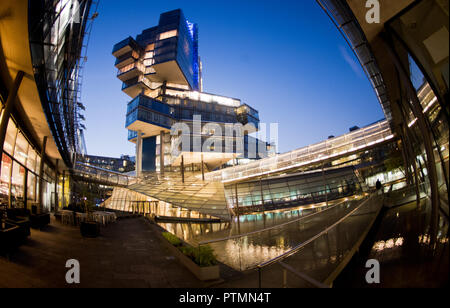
56, 185
41, 173
161, 154
237, 199
203, 170
182, 168
63, 197
139, 154
325, 185
262, 196
9, 107
237, 208
25, 189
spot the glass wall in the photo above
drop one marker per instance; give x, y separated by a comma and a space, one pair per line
19, 177
422, 53
127, 200
294, 190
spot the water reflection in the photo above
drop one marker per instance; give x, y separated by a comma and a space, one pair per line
264, 236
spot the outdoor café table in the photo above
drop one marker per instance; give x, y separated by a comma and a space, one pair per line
67, 217
104, 217
80, 217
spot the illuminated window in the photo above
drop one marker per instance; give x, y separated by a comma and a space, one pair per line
21, 151
168, 34
149, 62
10, 137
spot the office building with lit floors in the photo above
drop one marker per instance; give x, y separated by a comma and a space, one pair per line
162, 73
179, 130
41, 43
195, 153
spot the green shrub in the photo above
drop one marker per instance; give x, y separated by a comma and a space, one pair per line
203, 256
172, 239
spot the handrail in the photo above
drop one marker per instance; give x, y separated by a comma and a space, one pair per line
102, 169
269, 228
300, 246
305, 277
103, 174
368, 136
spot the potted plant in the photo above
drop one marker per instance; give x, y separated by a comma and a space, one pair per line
201, 261
89, 228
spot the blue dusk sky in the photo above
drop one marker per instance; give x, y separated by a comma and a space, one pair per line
284, 58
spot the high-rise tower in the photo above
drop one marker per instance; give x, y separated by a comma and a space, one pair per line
161, 72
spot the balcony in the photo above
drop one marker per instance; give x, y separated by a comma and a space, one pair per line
127, 59
131, 71
125, 46
135, 86
148, 116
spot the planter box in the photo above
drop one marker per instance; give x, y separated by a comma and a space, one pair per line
90, 229
202, 273
39, 221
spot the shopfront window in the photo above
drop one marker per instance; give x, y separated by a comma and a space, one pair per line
4, 179
17, 188
10, 138
31, 189
31, 161
21, 149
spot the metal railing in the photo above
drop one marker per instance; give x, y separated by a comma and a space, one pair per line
247, 251
318, 210
317, 261
332, 148
99, 175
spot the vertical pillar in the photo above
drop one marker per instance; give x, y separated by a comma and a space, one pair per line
63, 197
182, 168
237, 208
41, 172
56, 185
25, 189
237, 199
139, 154
161, 154
262, 195
203, 170
325, 185
9, 107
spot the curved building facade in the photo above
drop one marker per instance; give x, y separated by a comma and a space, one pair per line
41, 46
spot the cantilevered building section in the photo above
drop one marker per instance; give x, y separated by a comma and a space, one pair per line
161, 72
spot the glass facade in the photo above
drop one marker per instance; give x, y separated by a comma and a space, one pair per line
292, 190
20, 180
56, 34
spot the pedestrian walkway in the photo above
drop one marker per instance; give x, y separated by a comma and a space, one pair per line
127, 254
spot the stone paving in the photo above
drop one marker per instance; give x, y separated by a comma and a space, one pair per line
127, 254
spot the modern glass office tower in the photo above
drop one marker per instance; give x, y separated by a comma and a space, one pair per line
173, 123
